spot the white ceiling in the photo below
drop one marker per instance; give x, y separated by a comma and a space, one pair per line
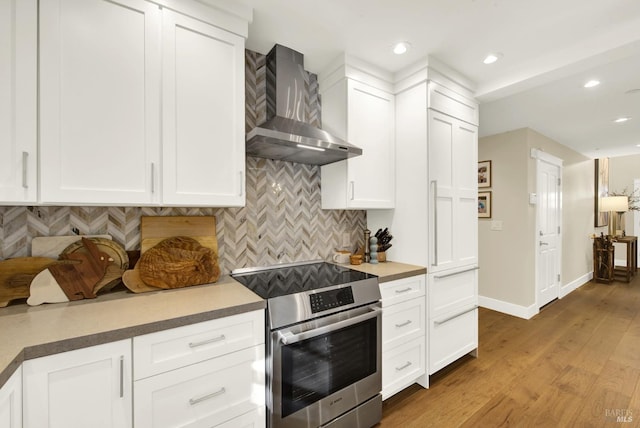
549, 47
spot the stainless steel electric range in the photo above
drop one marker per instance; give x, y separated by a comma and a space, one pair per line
323, 344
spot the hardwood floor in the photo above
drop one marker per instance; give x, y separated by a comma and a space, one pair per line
576, 363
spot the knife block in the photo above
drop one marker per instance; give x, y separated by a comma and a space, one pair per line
382, 256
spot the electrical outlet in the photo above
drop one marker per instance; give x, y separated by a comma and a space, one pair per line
496, 225
346, 240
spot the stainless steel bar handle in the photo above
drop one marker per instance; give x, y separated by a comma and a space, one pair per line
439, 322
25, 163
288, 338
206, 342
435, 223
241, 188
404, 290
404, 366
153, 177
353, 189
456, 273
121, 376
403, 324
193, 401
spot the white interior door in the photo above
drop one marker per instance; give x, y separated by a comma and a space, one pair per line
548, 243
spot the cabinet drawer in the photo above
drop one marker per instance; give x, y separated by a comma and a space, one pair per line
402, 366
451, 290
403, 322
170, 349
451, 336
253, 419
204, 394
402, 290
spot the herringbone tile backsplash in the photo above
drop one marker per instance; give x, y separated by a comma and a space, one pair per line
281, 222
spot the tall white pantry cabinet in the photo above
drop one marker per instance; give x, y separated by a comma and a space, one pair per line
435, 217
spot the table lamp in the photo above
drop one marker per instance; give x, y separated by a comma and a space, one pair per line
619, 205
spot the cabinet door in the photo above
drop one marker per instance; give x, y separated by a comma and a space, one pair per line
371, 177
203, 114
453, 192
89, 387
11, 401
18, 114
99, 101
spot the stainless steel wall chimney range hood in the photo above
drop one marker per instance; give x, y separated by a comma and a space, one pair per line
286, 135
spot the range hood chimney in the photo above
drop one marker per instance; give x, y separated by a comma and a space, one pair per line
286, 135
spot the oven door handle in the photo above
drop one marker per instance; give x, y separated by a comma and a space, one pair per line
288, 338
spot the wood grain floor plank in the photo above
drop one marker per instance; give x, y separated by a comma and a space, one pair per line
576, 363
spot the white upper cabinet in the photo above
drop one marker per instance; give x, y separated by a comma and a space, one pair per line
203, 114
364, 116
99, 101
139, 105
18, 101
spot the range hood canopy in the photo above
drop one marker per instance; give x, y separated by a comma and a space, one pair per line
286, 135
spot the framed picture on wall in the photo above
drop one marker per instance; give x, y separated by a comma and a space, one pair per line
484, 204
484, 173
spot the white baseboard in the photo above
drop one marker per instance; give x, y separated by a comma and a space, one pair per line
573, 285
526, 312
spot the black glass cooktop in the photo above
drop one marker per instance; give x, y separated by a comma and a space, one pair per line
280, 281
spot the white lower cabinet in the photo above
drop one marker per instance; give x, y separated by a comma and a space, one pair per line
453, 316
403, 333
202, 375
11, 401
89, 387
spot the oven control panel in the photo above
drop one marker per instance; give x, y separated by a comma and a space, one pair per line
330, 299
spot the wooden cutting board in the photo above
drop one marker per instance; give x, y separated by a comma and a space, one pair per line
16, 276
53, 246
153, 230
115, 269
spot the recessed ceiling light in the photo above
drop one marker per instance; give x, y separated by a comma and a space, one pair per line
621, 119
401, 47
591, 83
492, 57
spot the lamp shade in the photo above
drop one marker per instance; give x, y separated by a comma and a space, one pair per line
614, 203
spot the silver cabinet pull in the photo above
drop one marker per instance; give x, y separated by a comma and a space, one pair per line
456, 273
543, 243
404, 290
193, 401
435, 223
404, 366
439, 322
241, 187
25, 159
206, 342
353, 189
121, 376
407, 322
153, 177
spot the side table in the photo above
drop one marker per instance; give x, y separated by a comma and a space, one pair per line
625, 273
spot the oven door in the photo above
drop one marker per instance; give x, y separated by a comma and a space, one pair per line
326, 367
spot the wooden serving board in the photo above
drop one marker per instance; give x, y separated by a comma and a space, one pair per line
53, 246
114, 270
16, 276
153, 230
